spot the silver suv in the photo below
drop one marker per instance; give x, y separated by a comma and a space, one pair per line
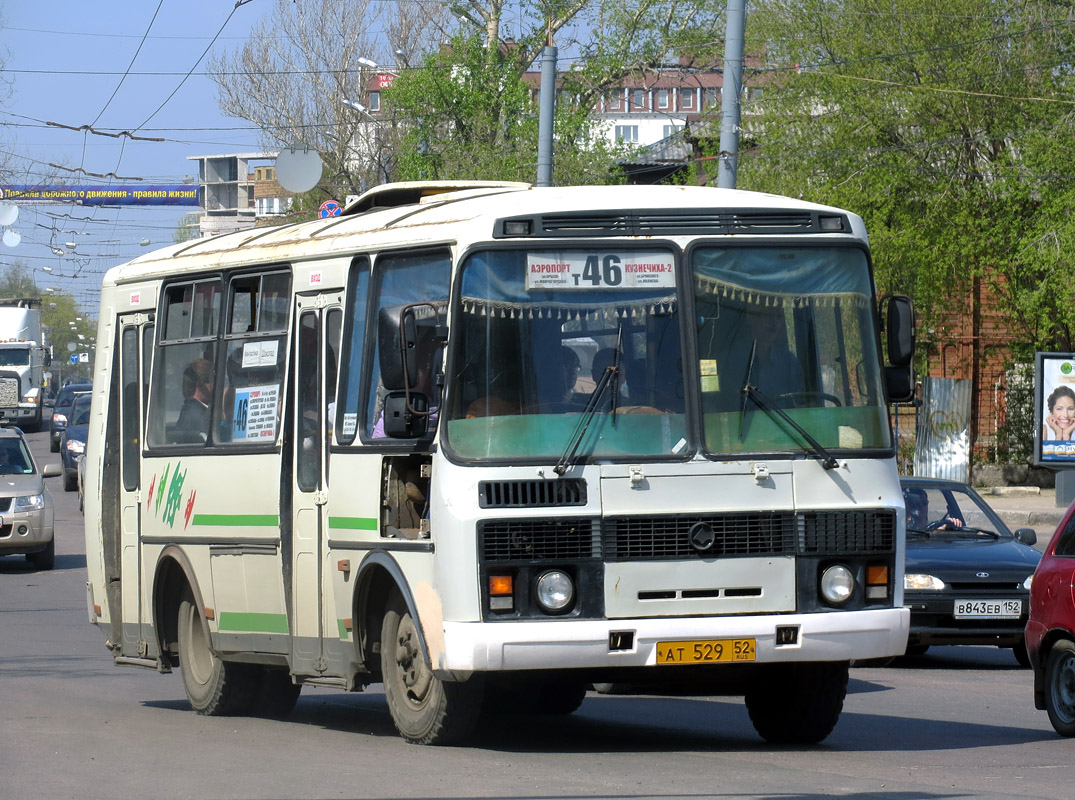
26, 514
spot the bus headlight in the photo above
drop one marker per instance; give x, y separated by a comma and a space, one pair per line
555, 591
837, 584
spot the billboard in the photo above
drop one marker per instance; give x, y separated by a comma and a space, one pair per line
1054, 409
179, 194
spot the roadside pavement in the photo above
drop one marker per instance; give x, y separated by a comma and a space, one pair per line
1026, 507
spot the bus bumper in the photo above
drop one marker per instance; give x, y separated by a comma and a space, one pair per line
836, 636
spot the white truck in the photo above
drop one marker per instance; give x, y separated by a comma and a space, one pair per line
23, 358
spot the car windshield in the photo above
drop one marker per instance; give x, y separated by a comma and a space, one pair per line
14, 356
949, 510
80, 411
14, 457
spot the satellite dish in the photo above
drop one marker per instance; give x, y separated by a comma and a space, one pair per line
9, 212
12, 237
298, 168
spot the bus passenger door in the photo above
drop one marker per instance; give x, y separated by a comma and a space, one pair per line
135, 356
316, 345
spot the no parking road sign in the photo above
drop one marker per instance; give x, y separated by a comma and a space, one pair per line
329, 208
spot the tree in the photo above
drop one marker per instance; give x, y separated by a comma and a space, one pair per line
947, 125
292, 77
468, 116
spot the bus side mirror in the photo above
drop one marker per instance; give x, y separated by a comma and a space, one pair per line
402, 421
900, 330
899, 316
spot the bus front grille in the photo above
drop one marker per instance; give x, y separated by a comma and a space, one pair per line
630, 538
750, 534
548, 539
860, 532
532, 494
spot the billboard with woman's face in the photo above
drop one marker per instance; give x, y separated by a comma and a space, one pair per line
1054, 410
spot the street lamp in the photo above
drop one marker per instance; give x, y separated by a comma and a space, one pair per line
357, 106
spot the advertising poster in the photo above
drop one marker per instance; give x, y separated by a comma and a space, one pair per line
1054, 410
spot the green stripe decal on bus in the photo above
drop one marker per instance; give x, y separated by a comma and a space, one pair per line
342, 625
237, 520
353, 523
252, 622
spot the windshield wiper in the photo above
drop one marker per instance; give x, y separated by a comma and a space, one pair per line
762, 401
609, 378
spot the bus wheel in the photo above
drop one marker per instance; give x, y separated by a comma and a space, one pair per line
797, 703
214, 687
425, 709
275, 695
561, 697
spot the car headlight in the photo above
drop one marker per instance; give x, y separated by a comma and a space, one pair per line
1029, 580
837, 584
555, 591
59, 419
29, 502
916, 583
75, 446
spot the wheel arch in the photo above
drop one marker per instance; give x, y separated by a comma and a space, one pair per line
378, 576
172, 575
1048, 642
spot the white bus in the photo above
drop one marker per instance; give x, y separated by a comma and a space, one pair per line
490, 445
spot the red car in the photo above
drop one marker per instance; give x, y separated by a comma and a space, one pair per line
1050, 632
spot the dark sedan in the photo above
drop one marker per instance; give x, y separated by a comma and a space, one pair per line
968, 576
73, 440
62, 410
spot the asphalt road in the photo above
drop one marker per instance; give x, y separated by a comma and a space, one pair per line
958, 722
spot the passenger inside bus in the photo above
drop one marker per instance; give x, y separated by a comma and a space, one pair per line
773, 368
192, 424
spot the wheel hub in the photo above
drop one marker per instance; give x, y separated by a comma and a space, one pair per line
414, 676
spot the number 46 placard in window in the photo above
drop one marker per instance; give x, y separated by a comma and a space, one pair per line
579, 269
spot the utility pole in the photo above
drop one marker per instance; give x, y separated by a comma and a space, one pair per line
546, 111
731, 94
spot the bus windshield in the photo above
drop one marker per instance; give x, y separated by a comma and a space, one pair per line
786, 349
536, 332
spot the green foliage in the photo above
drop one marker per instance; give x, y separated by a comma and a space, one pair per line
58, 309
947, 125
471, 116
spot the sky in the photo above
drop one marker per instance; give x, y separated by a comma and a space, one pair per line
65, 62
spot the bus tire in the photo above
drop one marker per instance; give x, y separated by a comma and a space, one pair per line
214, 687
797, 703
425, 709
561, 697
276, 694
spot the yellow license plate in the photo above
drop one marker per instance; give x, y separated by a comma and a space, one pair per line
709, 651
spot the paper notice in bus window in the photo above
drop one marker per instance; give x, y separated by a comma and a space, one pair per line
707, 367
579, 269
260, 354
254, 417
350, 423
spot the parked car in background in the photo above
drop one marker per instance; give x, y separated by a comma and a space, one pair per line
968, 576
26, 514
1050, 633
73, 439
61, 410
